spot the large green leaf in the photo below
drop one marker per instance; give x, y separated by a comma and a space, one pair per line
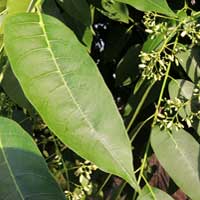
63, 83
23, 171
159, 6
15, 6
184, 90
190, 61
179, 155
146, 194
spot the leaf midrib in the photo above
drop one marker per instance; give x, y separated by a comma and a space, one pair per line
42, 25
177, 146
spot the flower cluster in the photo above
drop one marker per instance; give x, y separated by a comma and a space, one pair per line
84, 172
153, 27
171, 110
154, 64
168, 114
191, 28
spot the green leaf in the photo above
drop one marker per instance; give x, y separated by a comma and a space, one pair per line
179, 155
184, 90
153, 44
23, 171
115, 10
159, 6
158, 194
62, 82
16, 6
190, 59
77, 9
127, 69
13, 90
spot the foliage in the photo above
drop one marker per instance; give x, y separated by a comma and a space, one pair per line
69, 69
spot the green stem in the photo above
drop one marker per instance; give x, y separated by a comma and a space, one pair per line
120, 191
140, 105
161, 94
149, 187
30, 7
140, 127
164, 83
142, 166
104, 183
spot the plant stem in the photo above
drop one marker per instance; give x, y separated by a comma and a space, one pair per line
142, 166
140, 106
104, 183
140, 127
164, 84
30, 7
149, 187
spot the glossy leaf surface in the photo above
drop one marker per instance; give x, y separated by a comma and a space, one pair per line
158, 194
63, 83
23, 171
179, 155
159, 6
153, 43
184, 90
